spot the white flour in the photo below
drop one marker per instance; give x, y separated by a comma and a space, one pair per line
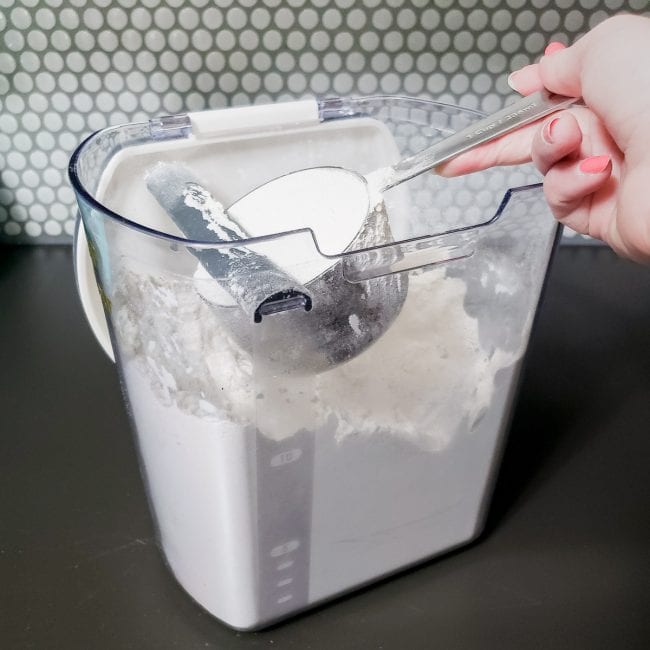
199, 397
424, 379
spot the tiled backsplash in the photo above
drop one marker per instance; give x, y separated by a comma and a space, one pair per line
70, 68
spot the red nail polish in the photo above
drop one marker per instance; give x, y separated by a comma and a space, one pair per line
553, 47
594, 165
547, 131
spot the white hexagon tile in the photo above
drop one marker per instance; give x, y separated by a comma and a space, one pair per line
70, 68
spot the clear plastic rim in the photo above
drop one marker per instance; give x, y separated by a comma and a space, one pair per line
88, 198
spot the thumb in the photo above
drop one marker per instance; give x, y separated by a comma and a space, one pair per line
561, 70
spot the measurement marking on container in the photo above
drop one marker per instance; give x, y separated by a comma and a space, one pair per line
284, 549
284, 599
285, 582
284, 565
286, 457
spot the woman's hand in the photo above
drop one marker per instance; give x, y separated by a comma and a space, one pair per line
595, 159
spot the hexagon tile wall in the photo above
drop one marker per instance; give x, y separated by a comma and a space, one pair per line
70, 68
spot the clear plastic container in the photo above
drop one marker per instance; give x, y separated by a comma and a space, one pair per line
277, 483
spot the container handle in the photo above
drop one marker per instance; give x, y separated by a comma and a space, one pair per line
88, 290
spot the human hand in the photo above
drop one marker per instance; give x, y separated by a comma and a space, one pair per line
595, 158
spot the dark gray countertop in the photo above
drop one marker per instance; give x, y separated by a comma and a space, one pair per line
563, 563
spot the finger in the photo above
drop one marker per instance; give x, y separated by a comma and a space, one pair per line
568, 183
510, 149
526, 80
560, 69
629, 233
559, 137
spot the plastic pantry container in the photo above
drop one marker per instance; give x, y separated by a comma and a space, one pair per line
275, 486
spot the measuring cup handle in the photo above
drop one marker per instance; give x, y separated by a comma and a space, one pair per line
526, 110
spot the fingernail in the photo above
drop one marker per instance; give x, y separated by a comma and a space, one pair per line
523, 80
512, 79
553, 47
547, 131
594, 165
